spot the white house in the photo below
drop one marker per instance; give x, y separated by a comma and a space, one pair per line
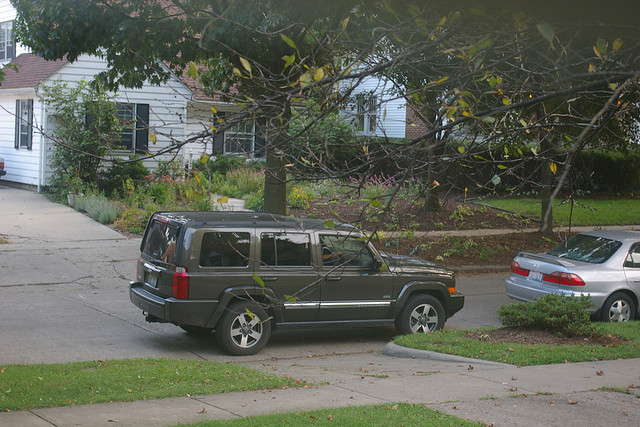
174, 112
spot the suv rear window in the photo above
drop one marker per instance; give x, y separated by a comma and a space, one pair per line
225, 249
582, 247
161, 242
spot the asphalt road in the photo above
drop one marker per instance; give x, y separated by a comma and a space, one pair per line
64, 292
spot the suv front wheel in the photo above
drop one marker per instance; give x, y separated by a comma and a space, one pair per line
421, 314
244, 328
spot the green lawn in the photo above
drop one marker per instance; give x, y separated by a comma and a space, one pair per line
398, 414
585, 211
458, 343
38, 386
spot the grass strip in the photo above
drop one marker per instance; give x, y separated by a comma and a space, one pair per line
400, 414
458, 342
585, 211
48, 385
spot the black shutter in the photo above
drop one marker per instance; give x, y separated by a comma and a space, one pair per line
261, 141
29, 142
142, 128
16, 143
218, 137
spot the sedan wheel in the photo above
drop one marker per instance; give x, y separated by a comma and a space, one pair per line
618, 308
422, 314
244, 329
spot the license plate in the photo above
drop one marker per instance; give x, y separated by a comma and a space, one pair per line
536, 276
152, 279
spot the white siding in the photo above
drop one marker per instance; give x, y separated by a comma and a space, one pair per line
391, 111
167, 103
22, 165
8, 13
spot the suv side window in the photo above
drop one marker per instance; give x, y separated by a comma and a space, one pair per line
344, 251
285, 249
225, 249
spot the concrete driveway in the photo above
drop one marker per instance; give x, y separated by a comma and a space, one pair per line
64, 286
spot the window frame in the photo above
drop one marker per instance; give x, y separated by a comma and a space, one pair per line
24, 124
274, 235
366, 114
7, 41
135, 127
234, 132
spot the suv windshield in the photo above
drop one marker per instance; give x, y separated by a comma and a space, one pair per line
586, 248
161, 242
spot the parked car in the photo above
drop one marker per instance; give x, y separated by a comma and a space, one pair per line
602, 264
2, 171
244, 274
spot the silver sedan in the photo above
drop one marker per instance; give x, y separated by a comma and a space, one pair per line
602, 264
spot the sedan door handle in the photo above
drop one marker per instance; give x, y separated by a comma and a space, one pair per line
269, 279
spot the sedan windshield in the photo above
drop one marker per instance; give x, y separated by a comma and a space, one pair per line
586, 248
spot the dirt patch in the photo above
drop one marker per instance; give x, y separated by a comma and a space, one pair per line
407, 229
533, 337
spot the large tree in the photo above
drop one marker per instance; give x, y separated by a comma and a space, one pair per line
255, 51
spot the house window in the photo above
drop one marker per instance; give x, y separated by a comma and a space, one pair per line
240, 138
135, 133
366, 116
24, 123
7, 44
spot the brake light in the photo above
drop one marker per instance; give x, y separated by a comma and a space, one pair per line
1, 165
180, 283
570, 279
516, 269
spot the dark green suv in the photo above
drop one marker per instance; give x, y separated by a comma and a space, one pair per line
243, 274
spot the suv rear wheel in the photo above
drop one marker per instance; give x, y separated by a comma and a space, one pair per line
421, 314
244, 328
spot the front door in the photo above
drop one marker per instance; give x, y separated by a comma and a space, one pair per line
353, 288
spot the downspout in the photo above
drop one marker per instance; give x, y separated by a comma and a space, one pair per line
43, 145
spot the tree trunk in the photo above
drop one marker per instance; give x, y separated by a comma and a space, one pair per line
275, 177
546, 179
432, 200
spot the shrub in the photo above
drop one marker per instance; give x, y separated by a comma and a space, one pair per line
254, 202
99, 208
299, 199
120, 176
561, 314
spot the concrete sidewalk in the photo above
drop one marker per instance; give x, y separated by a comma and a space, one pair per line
54, 247
493, 394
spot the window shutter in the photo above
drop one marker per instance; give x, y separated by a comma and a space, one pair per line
261, 141
16, 142
218, 140
142, 127
29, 142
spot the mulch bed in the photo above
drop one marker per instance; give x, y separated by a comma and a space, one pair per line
532, 337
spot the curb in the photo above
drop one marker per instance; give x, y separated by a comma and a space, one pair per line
394, 350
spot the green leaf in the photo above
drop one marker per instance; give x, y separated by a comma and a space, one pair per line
375, 203
461, 149
496, 180
258, 280
193, 70
503, 167
246, 64
329, 224
288, 60
602, 45
617, 44
288, 41
546, 30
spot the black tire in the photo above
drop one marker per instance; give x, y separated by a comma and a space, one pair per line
619, 307
421, 314
243, 329
196, 331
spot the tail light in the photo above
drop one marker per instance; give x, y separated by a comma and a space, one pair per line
516, 269
180, 283
1, 165
570, 279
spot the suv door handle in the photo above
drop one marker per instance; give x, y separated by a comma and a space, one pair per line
334, 278
269, 278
